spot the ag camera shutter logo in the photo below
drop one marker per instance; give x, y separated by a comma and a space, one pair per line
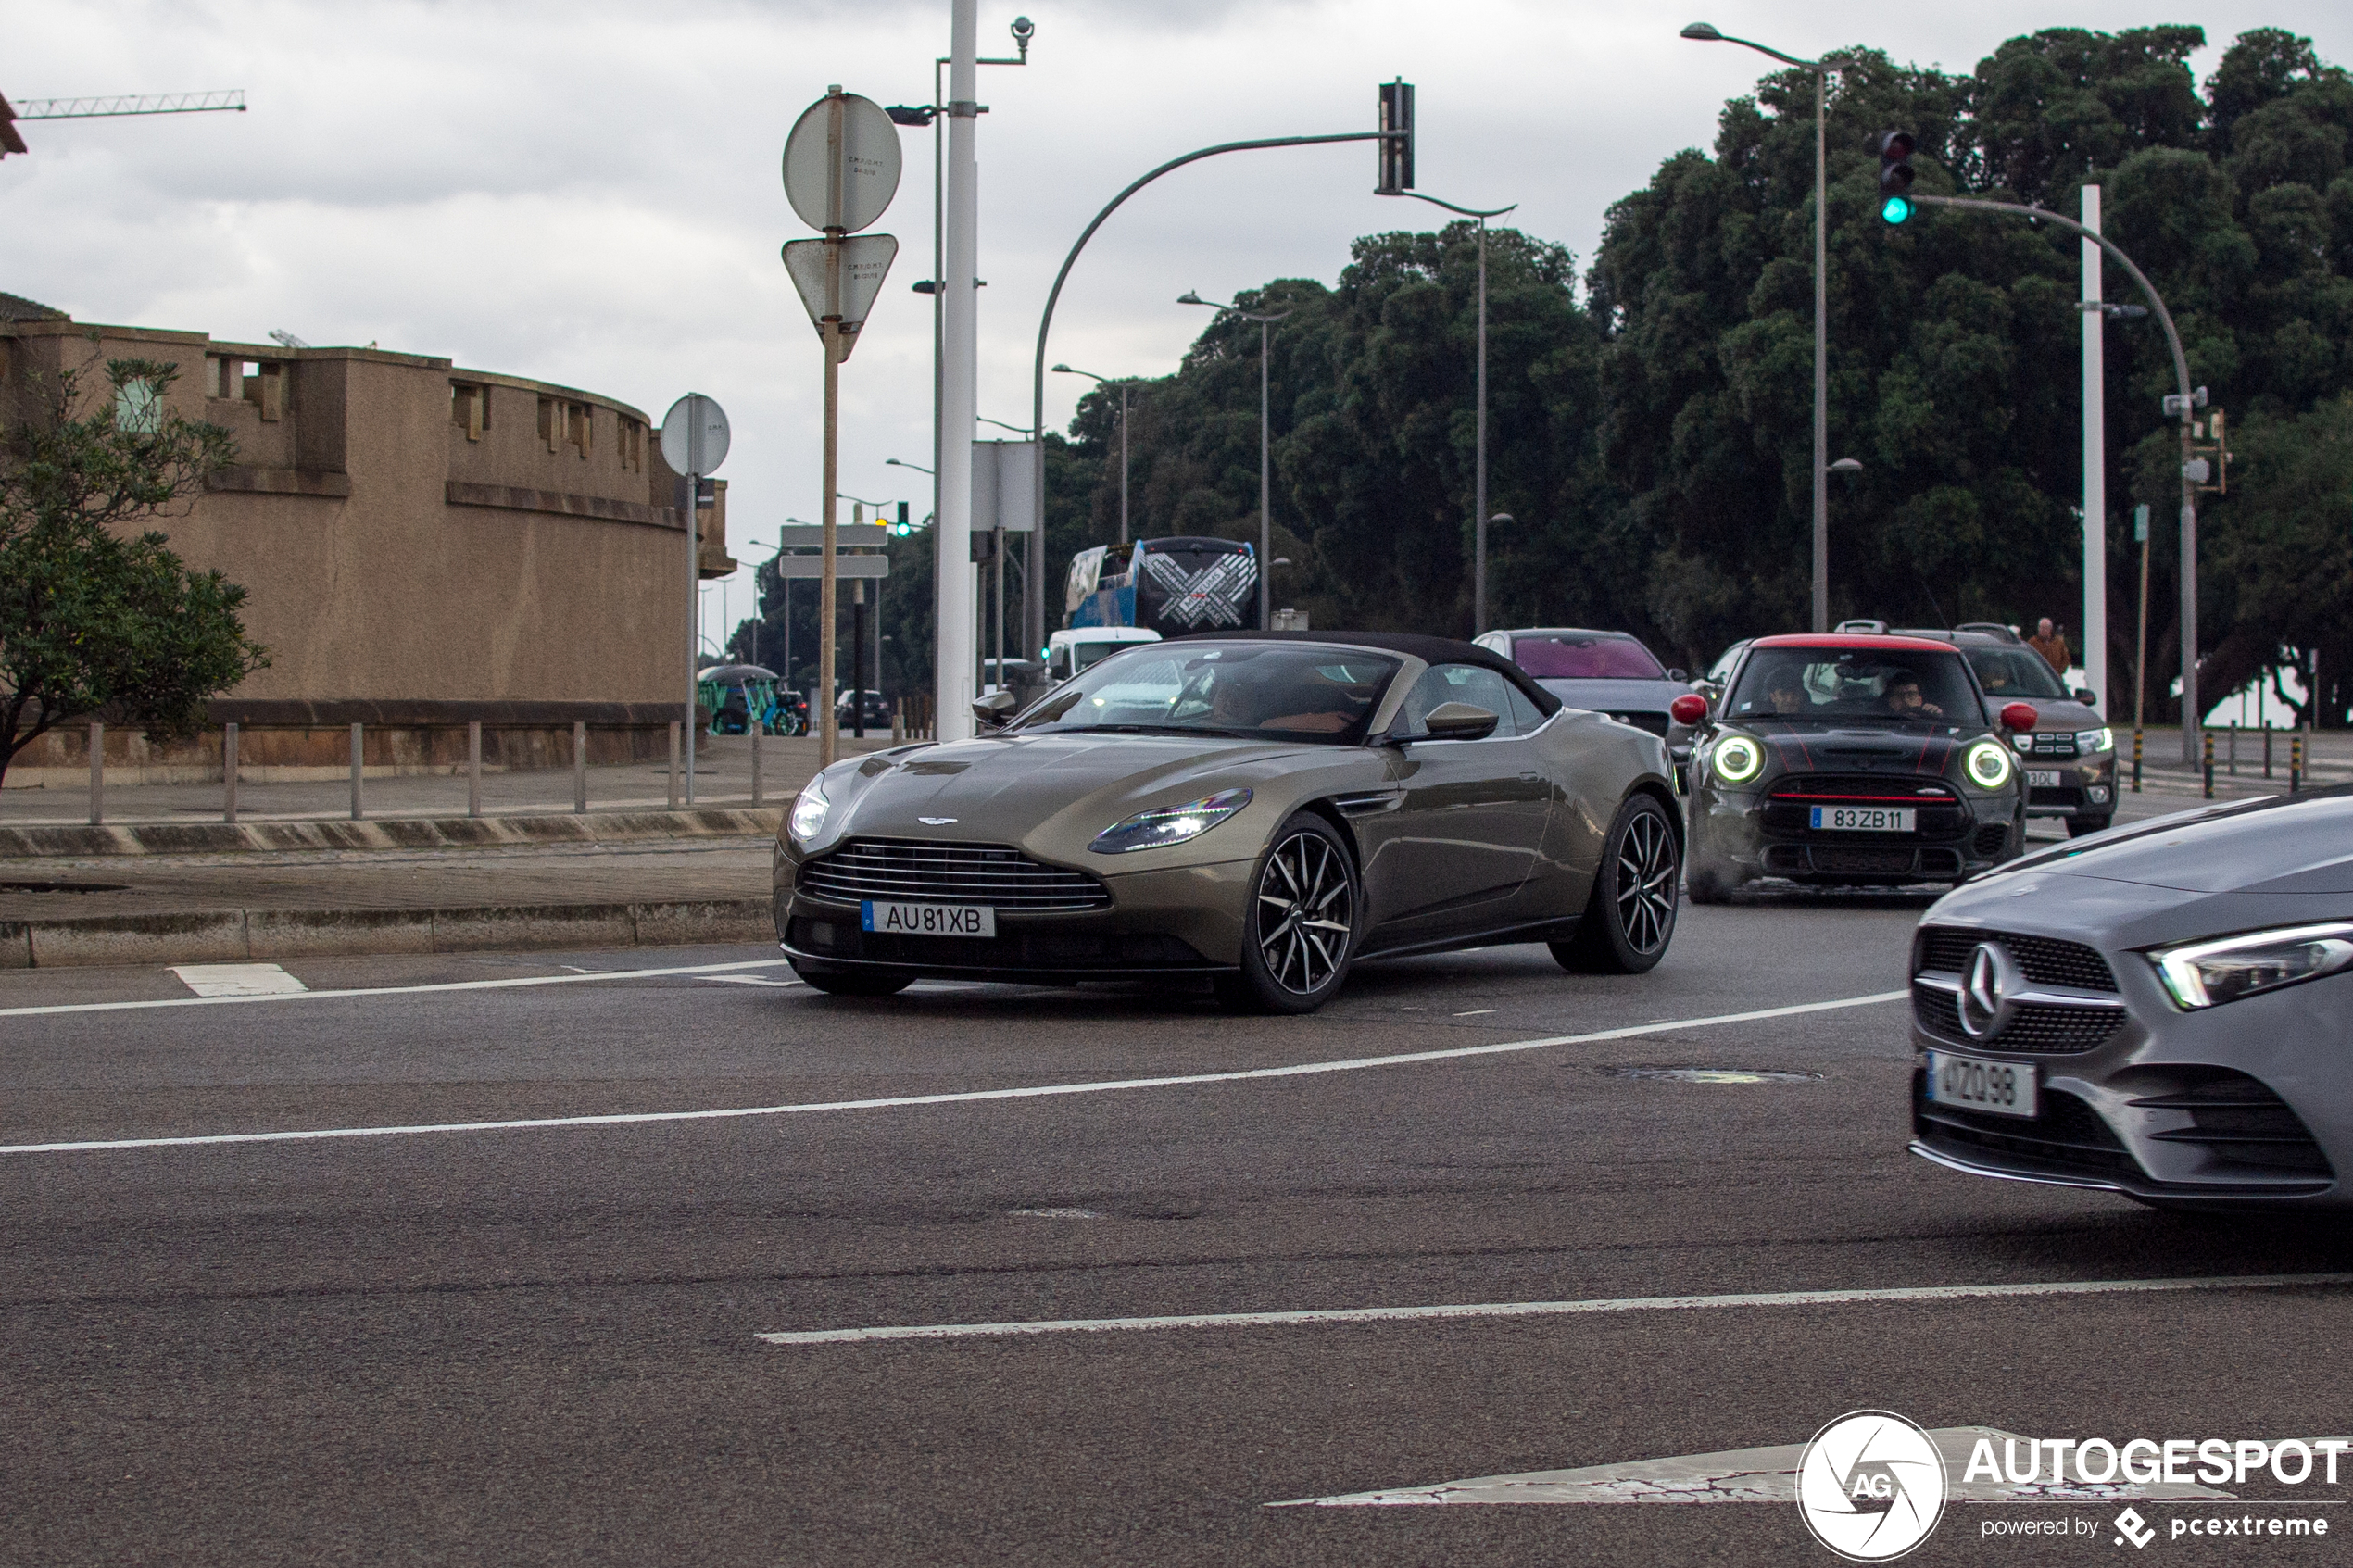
1871, 1485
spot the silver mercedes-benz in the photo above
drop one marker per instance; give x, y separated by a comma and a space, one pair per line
2163, 1010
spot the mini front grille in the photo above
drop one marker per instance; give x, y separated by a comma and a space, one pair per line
1838, 860
2046, 961
919, 870
1873, 789
2034, 1029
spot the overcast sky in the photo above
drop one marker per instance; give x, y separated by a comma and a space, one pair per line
588, 192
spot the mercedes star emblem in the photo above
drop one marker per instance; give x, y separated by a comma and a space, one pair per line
1987, 991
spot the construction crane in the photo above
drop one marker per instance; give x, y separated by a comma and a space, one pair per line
108, 109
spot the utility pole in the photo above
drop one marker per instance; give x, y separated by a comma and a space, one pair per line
959, 384
2095, 464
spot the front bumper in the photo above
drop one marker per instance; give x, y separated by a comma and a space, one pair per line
1733, 826
2241, 1105
2086, 786
1173, 923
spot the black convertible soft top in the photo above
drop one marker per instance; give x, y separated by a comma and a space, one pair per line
1431, 650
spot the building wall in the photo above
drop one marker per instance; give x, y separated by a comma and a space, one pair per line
418, 540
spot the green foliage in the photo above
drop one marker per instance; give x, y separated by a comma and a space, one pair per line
94, 617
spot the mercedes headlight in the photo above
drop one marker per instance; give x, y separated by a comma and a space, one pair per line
2095, 740
2203, 974
1169, 825
1988, 764
809, 809
1736, 759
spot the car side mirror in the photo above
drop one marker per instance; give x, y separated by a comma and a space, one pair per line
2087, 696
1460, 720
2020, 717
1687, 709
995, 709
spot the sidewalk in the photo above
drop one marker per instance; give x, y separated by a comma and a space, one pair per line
159, 883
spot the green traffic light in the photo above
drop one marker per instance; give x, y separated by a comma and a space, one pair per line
1896, 208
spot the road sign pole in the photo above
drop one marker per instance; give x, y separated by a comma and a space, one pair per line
956, 644
827, 728
694, 616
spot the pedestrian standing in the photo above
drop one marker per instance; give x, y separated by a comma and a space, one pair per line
2051, 646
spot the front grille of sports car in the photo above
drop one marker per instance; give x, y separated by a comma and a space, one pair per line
2034, 1029
2239, 1122
922, 870
2068, 1136
1789, 806
2046, 961
1011, 950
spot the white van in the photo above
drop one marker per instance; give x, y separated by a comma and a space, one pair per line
1069, 652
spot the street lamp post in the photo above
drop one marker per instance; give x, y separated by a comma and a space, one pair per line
1479, 486
1122, 385
1265, 531
1705, 33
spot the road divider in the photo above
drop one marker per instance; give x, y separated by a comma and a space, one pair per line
894, 1102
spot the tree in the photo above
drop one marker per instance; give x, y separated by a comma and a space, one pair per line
94, 617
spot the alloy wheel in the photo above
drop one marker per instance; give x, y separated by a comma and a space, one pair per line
1646, 883
1306, 913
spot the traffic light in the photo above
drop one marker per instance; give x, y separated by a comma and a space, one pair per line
1896, 175
1396, 152
900, 529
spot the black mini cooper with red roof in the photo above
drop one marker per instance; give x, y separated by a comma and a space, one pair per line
1847, 762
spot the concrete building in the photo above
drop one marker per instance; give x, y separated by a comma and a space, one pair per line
423, 546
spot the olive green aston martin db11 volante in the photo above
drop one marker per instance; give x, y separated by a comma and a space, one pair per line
1258, 810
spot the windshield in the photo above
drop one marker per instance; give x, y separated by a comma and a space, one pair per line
1577, 656
2009, 673
1851, 685
1297, 692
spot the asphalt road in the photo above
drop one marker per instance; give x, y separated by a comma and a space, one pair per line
510, 1345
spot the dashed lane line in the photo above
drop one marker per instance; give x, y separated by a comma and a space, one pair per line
1313, 1318
297, 994
961, 1097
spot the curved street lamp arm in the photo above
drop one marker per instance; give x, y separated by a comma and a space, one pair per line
1466, 212
2165, 317
1786, 60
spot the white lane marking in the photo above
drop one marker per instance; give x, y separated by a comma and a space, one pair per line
1320, 1317
395, 990
959, 1096
237, 979
1053, 1213
1475, 1012
1765, 1474
747, 980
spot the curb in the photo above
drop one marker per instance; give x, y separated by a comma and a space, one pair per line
230, 935
394, 832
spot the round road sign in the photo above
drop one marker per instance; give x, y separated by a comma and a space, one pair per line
841, 162
694, 435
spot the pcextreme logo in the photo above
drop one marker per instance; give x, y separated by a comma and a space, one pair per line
1871, 1485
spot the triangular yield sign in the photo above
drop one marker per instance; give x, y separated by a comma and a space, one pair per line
865, 260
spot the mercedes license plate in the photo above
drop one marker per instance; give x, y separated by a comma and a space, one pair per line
1864, 818
1968, 1083
929, 920
2042, 778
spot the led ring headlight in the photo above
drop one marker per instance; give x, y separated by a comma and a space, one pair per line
1736, 759
1988, 764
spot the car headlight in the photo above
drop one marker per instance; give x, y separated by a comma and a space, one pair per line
1736, 759
809, 809
1988, 764
1169, 825
2095, 740
2204, 974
